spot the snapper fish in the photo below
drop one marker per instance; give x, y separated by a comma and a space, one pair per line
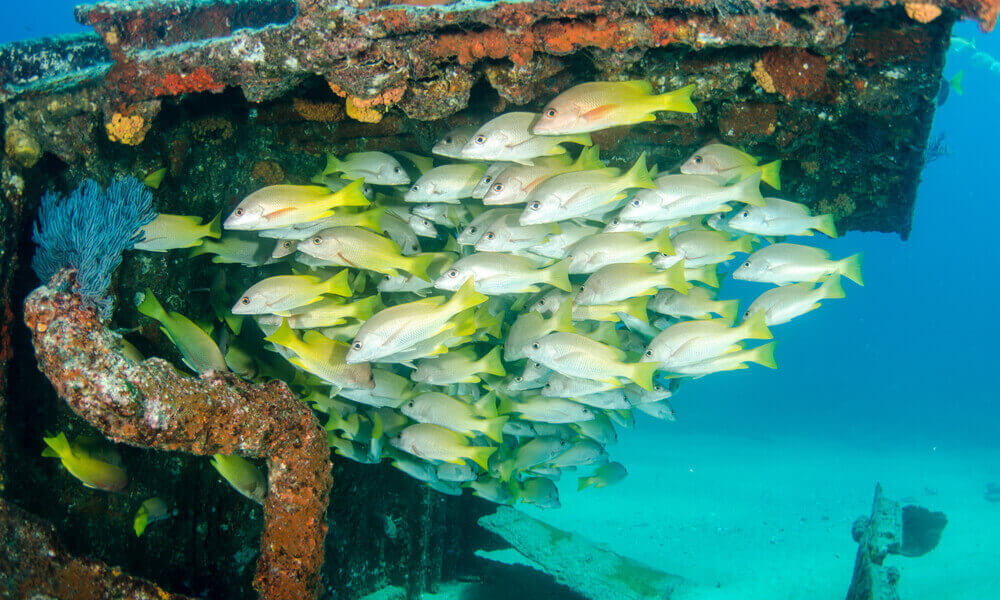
376, 168
446, 184
701, 248
583, 453
762, 355
495, 273
400, 327
460, 366
698, 303
622, 281
369, 219
150, 511
390, 390
238, 248
779, 217
508, 137
690, 342
726, 163
285, 205
555, 411
601, 249
472, 232
328, 312
793, 263
531, 325
579, 356
506, 234
661, 409
580, 194
784, 303
515, 183
450, 146
168, 232
323, 357
679, 197
606, 475
362, 249
556, 245
95, 467
440, 444
283, 293
540, 491
602, 104
488, 177
454, 414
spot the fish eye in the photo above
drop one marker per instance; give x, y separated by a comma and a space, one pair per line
490, 236
637, 203
286, 244
239, 212
395, 169
747, 264
745, 214
615, 221
519, 378
409, 404
497, 187
480, 139
538, 365
356, 345
414, 188
657, 388
697, 159
447, 139
536, 346
488, 178
648, 354
453, 273
472, 230
535, 205
551, 113
317, 240
414, 248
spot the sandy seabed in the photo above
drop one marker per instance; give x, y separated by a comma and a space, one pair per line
771, 518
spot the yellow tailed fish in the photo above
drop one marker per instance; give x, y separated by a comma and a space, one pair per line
287, 292
88, 466
242, 475
323, 357
169, 232
284, 205
198, 350
601, 104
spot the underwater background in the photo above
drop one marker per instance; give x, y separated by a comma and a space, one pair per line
758, 481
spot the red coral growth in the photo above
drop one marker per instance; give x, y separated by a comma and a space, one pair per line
35, 563
797, 74
748, 121
152, 405
198, 80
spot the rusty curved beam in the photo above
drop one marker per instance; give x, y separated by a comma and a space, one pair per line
151, 404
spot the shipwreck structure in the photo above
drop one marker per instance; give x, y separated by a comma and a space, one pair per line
233, 95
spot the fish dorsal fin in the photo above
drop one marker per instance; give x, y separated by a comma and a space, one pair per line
638, 85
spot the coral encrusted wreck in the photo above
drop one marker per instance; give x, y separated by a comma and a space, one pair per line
220, 99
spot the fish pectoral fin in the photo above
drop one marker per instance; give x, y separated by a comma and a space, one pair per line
277, 213
599, 112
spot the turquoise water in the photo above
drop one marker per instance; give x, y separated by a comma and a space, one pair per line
897, 384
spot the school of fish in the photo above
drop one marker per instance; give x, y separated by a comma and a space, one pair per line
491, 317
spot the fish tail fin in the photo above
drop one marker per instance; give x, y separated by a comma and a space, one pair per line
466, 297
635, 307
728, 309
481, 455
338, 285
678, 100
771, 174
662, 242
832, 288
707, 275
590, 158
675, 278
755, 327
763, 355
638, 175
642, 374
59, 446
826, 224
199, 250
491, 363
333, 165
558, 275
505, 470
213, 228
377, 427
583, 483
562, 319
747, 190
351, 195
151, 307
486, 406
372, 219
283, 335
850, 268
493, 428
419, 263
141, 521
463, 325
956, 83
505, 404
744, 244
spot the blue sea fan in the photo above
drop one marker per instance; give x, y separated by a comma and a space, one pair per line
89, 230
